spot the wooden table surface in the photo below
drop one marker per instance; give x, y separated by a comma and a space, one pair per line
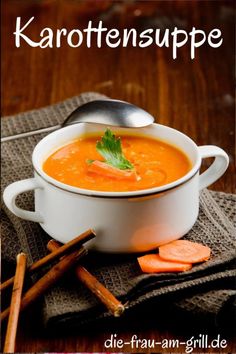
194, 96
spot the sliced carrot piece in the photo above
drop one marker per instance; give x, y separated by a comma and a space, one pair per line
153, 263
102, 168
184, 251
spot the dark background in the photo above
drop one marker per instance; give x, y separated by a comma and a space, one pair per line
194, 96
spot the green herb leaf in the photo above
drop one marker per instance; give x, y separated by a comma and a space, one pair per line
89, 161
110, 148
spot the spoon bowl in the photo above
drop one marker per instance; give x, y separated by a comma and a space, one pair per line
108, 112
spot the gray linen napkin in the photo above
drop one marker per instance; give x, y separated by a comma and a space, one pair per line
206, 290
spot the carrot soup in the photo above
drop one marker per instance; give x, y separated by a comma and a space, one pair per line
109, 163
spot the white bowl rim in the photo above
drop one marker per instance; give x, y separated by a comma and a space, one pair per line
127, 194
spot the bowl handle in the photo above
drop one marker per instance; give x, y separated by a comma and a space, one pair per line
217, 168
16, 188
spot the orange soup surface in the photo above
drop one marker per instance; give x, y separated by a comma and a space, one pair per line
156, 163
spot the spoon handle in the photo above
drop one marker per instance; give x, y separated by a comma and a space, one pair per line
32, 132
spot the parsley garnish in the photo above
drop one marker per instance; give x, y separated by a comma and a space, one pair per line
110, 148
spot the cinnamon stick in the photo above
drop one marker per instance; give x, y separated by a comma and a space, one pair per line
98, 289
48, 279
69, 246
9, 346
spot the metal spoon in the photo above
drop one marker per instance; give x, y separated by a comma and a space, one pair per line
108, 112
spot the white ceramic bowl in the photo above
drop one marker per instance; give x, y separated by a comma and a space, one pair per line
124, 221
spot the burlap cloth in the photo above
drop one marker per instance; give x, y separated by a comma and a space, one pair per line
206, 291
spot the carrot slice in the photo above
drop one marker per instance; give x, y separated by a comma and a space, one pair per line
184, 251
153, 263
102, 168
